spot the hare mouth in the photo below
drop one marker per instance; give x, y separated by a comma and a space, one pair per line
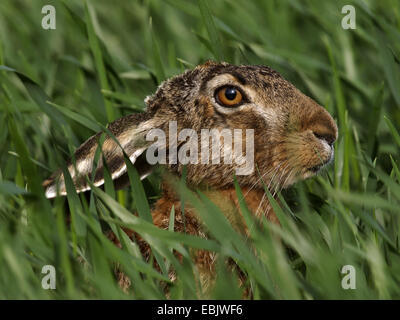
318, 167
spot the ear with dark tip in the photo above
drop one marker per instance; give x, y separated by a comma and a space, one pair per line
127, 133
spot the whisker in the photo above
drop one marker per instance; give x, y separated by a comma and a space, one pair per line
287, 178
262, 176
282, 173
260, 204
250, 228
270, 170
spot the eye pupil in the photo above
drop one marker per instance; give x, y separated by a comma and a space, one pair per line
230, 93
229, 96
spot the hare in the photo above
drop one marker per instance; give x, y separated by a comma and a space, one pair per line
292, 139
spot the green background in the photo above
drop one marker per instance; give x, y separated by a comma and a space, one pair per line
58, 87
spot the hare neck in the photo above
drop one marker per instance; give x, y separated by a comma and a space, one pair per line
225, 199
256, 201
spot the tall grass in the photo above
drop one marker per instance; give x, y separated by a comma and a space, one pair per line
60, 86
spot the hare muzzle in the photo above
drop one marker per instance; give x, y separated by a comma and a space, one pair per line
314, 143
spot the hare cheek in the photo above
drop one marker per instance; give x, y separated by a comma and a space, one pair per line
269, 115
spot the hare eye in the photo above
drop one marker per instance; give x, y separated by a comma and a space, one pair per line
229, 96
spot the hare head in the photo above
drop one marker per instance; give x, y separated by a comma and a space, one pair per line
291, 136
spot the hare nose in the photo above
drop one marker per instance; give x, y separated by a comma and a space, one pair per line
322, 125
329, 137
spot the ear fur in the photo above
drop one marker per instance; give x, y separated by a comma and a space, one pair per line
130, 132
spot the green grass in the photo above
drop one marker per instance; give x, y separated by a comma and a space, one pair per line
57, 87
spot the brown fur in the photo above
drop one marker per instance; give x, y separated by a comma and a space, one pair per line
293, 139
190, 223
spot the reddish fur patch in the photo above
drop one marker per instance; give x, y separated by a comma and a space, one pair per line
191, 224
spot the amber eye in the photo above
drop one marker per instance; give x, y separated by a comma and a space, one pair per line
229, 96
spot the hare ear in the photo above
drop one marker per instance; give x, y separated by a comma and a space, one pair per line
130, 131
